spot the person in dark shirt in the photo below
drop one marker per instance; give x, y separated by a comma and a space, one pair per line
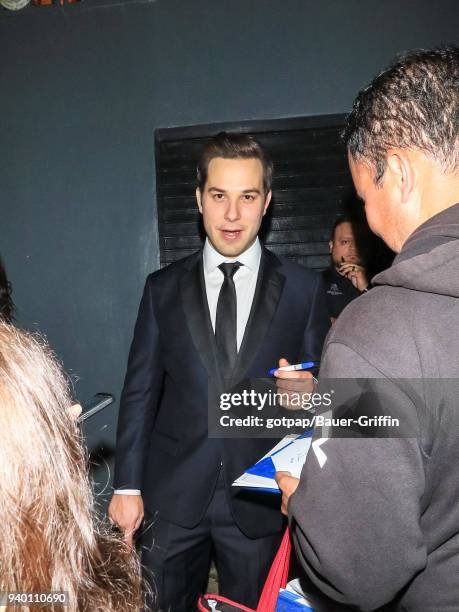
346, 277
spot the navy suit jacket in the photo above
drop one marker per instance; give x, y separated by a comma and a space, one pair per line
163, 447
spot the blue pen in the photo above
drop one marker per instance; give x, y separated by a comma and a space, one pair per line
306, 365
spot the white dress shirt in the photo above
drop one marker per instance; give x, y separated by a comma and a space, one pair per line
245, 281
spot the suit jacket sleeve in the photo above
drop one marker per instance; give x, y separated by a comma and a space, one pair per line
140, 397
317, 324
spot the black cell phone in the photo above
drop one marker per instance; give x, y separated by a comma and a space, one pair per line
94, 404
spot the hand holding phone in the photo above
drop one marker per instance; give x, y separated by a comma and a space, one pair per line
93, 405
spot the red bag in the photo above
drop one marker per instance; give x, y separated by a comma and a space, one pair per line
276, 580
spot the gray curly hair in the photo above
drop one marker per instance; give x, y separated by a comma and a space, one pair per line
414, 103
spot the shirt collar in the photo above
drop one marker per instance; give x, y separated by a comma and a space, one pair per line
249, 258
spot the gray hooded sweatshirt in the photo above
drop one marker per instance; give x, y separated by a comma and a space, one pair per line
375, 522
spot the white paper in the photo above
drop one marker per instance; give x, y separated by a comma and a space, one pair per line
289, 455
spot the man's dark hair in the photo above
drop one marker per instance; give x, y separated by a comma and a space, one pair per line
341, 219
234, 146
414, 104
6, 301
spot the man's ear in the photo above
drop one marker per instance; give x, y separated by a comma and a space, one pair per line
330, 245
198, 199
402, 173
269, 195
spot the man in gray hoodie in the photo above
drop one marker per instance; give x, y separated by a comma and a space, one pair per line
375, 521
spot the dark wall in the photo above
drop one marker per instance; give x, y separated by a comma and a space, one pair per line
82, 91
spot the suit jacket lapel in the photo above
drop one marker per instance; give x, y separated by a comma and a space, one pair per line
268, 291
196, 309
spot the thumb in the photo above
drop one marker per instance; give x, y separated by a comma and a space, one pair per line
283, 362
75, 411
279, 475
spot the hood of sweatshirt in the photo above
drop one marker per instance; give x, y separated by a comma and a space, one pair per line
429, 259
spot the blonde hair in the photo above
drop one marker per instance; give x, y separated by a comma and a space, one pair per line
50, 539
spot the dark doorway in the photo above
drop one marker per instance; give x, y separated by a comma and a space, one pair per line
312, 186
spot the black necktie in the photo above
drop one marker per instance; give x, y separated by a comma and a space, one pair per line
225, 320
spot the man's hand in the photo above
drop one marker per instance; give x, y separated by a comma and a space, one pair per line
127, 512
355, 273
287, 484
293, 385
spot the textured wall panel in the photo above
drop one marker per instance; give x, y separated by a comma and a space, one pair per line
311, 186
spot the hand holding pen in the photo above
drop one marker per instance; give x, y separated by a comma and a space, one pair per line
294, 381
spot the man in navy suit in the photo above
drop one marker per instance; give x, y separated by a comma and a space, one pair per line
230, 311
